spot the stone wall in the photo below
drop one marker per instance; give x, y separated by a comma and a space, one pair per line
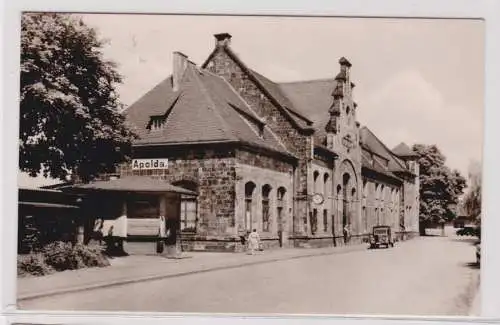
382, 203
280, 200
321, 182
295, 140
212, 170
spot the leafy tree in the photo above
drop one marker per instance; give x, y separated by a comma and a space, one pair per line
472, 198
440, 187
70, 121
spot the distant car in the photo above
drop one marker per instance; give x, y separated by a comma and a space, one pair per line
467, 231
478, 253
381, 236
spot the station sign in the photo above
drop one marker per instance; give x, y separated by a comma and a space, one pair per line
149, 164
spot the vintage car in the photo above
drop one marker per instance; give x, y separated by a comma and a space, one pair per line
381, 236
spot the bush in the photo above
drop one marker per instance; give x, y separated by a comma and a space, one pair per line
33, 264
64, 256
90, 256
60, 256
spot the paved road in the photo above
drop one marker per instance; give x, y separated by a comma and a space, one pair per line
425, 276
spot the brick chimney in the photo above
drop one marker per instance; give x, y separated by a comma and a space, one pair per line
180, 64
223, 39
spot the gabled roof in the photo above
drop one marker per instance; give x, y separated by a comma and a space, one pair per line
268, 87
275, 90
375, 166
205, 109
403, 150
370, 143
312, 98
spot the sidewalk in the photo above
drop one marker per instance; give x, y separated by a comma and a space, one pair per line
133, 269
475, 309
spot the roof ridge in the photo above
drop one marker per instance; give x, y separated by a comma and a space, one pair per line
391, 154
291, 110
404, 146
206, 94
256, 116
251, 73
144, 95
305, 81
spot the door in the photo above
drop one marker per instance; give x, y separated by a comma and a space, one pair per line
280, 226
333, 230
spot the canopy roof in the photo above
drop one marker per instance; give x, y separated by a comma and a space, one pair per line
47, 205
133, 184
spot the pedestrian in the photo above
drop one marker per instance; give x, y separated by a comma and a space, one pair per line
253, 241
347, 233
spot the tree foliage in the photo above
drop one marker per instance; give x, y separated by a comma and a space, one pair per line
70, 119
440, 187
472, 198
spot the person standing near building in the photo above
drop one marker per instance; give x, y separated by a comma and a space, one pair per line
253, 241
347, 233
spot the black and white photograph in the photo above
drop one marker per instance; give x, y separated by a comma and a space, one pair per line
250, 164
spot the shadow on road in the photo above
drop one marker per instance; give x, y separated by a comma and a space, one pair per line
471, 240
472, 265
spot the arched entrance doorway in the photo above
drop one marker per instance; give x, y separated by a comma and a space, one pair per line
349, 204
345, 200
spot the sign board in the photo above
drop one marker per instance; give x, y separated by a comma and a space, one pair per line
148, 164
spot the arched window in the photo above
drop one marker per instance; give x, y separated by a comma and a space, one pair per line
315, 179
365, 218
345, 183
281, 194
314, 221
266, 189
249, 190
281, 205
326, 185
349, 116
325, 220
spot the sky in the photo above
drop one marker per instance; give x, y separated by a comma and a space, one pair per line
417, 80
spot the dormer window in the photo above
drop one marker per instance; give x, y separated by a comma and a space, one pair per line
156, 123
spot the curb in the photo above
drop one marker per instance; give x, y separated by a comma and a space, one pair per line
115, 283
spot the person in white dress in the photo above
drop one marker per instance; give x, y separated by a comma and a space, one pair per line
253, 241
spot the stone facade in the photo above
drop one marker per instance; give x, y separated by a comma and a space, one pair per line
306, 199
212, 174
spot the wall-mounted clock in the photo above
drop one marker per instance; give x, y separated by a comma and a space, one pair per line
318, 198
